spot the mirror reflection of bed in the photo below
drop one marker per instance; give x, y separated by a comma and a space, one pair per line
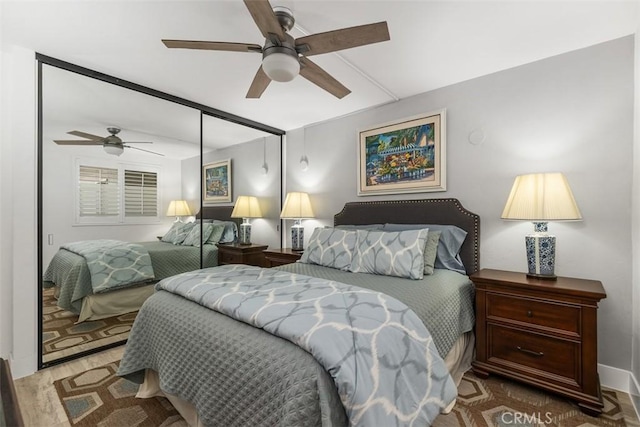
76, 318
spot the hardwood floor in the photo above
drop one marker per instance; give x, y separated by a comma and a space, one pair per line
40, 406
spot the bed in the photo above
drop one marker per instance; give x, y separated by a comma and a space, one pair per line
69, 273
220, 371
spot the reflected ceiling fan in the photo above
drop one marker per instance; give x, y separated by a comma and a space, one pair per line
283, 57
112, 144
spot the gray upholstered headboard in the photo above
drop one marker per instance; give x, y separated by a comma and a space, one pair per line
424, 211
223, 213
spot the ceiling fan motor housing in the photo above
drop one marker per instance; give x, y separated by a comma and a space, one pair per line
280, 59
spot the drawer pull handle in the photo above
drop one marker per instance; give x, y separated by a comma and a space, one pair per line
529, 313
530, 352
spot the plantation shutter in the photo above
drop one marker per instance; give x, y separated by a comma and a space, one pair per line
98, 192
140, 193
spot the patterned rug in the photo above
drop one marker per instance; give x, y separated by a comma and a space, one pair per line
500, 402
100, 398
59, 330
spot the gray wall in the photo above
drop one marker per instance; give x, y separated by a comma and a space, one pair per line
247, 180
571, 113
635, 365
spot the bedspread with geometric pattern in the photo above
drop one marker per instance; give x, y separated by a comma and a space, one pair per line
380, 355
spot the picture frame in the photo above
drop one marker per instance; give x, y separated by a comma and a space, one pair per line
405, 156
216, 182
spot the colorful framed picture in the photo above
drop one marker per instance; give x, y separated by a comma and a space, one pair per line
216, 185
407, 156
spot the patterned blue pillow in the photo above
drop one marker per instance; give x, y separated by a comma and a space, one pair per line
330, 247
172, 233
193, 238
230, 234
183, 232
449, 245
396, 253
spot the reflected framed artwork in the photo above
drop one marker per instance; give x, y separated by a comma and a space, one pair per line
216, 185
406, 156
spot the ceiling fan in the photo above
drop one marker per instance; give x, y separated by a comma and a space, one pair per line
112, 144
283, 57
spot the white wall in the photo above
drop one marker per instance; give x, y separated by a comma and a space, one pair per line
571, 113
635, 363
18, 196
247, 180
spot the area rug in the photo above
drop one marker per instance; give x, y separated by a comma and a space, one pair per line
99, 397
500, 402
59, 330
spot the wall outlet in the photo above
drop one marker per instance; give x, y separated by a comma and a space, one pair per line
50, 239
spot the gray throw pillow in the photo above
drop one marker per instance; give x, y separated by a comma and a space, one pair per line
183, 232
217, 230
230, 234
330, 247
396, 253
172, 233
193, 238
430, 251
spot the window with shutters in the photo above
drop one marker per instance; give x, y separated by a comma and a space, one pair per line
116, 195
140, 194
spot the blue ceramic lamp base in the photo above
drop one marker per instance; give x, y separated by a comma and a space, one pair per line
541, 253
244, 236
297, 236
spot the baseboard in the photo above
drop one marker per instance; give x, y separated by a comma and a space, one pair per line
615, 378
619, 379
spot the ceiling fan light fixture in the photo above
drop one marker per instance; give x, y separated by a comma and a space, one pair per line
281, 67
112, 149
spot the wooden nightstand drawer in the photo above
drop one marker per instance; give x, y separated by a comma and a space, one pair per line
230, 258
559, 317
545, 354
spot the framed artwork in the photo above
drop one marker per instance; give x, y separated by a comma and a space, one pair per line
216, 185
407, 156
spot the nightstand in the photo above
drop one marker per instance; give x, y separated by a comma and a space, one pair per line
275, 257
234, 253
540, 332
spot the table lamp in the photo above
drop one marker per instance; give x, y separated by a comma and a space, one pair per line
246, 207
297, 206
540, 198
178, 208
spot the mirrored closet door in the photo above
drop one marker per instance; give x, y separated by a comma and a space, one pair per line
120, 171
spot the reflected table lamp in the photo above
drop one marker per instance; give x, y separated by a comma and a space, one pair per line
178, 208
246, 207
540, 198
297, 206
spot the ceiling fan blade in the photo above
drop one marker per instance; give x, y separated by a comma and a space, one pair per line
259, 84
137, 142
205, 45
142, 149
86, 135
345, 38
264, 17
76, 142
312, 72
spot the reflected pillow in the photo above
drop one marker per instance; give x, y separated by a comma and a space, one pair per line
217, 230
230, 233
393, 253
193, 238
171, 235
330, 247
368, 227
183, 232
449, 245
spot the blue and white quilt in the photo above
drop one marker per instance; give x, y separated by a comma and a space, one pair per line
113, 264
380, 355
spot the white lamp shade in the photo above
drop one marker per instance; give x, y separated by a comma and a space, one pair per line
246, 207
178, 208
541, 197
297, 206
112, 149
281, 67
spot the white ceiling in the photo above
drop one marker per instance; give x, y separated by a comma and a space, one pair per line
433, 44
